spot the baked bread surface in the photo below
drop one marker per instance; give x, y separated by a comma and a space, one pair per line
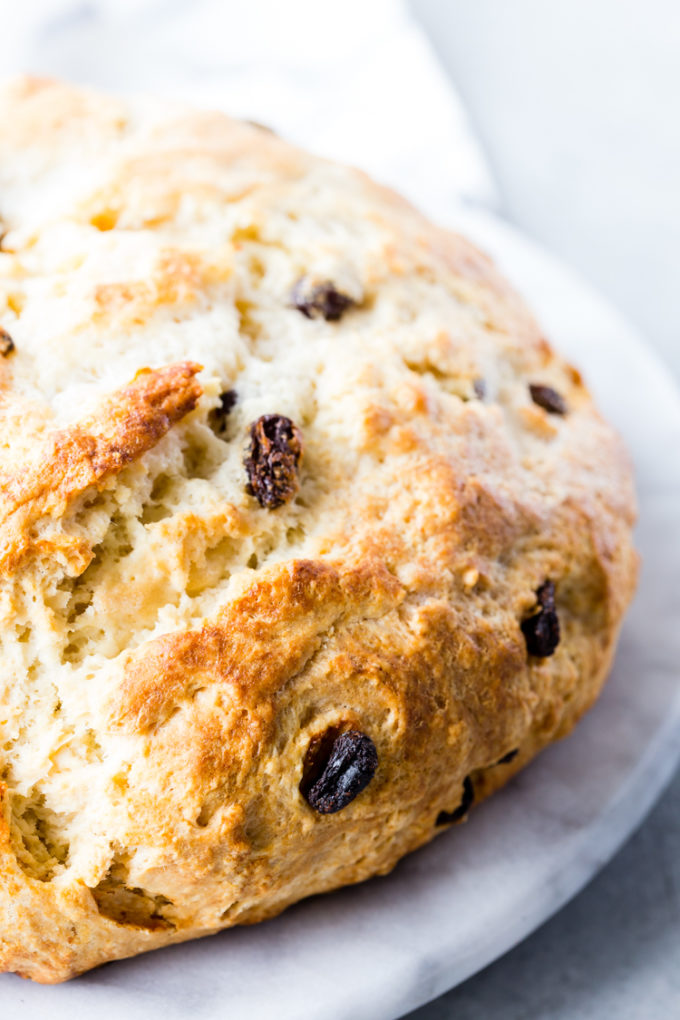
189, 625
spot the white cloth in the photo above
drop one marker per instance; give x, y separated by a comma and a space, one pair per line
356, 81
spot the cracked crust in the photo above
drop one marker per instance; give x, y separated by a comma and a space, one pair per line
171, 650
87, 454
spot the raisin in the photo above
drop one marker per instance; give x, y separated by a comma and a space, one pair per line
548, 398
273, 460
227, 401
220, 414
479, 386
322, 299
217, 418
319, 751
542, 629
507, 758
350, 767
6, 343
449, 817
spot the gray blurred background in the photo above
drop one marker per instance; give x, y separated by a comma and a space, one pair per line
577, 104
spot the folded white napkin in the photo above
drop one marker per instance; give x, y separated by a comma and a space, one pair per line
356, 81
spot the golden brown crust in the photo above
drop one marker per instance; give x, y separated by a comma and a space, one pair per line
128, 424
170, 648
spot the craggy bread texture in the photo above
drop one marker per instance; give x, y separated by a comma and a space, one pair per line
170, 648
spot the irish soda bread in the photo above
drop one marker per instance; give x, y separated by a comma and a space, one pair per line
307, 538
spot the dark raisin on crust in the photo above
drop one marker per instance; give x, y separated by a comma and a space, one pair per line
322, 299
217, 418
6, 343
479, 386
449, 817
227, 401
542, 629
350, 766
273, 460
548, 398
319, 751
507, 758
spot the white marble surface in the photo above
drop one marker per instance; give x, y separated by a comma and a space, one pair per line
610, 953
375, 950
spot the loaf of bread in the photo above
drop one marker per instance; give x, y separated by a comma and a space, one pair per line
308, 540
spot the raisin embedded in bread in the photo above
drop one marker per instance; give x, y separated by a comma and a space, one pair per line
308, 540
